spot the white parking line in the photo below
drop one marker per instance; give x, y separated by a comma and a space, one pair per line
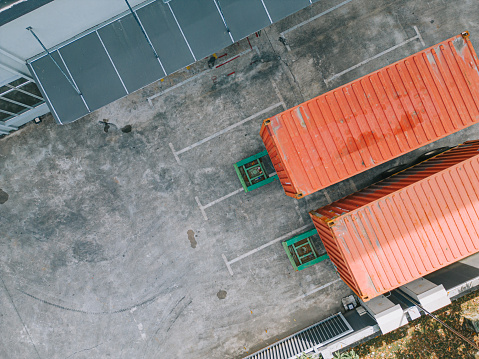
223, 131
174, 153
315, 17
287, 235
275, 87
227, 264
224, 197
314, 291
417, 37
195, 77
203, 207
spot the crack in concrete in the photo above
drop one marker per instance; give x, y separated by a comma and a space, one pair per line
144, 303
20, 317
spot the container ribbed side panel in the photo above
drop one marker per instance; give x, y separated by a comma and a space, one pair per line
411, 232
378, 117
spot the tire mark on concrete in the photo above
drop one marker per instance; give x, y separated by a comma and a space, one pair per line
171, 322
83, 350
177, 316
171, 311
159, 322
142, 304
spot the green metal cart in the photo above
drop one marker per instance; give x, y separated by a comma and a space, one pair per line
301, 251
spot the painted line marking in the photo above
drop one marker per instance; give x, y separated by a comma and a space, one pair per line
223, 131
223, 198
314, 291
174, 154
201, 208
196, 76
287, 235
224, 63
280, 97
227, 264
315, 17
418, 36
174, 87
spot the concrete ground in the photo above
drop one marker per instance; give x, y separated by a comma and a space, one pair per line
137, 242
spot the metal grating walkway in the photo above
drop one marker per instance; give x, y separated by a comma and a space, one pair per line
307, 340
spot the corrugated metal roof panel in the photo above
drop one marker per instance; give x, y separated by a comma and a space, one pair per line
376, 118
407, 226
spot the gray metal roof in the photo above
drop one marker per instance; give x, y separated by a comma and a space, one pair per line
115, 59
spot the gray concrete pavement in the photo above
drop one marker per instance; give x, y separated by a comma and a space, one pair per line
105, 252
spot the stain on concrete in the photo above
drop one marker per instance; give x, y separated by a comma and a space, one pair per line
191, 238
86, 251
60, 260
126, 129
106, 125
3, 196
221, 294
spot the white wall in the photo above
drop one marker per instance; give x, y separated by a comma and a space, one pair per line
54, 23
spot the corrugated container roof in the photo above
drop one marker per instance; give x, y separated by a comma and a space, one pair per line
376, 118
407, 226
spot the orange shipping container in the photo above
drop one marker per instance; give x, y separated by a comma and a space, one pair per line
376, 118
406, 226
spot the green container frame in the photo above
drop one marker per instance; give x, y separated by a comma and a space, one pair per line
242, 164
290, 243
